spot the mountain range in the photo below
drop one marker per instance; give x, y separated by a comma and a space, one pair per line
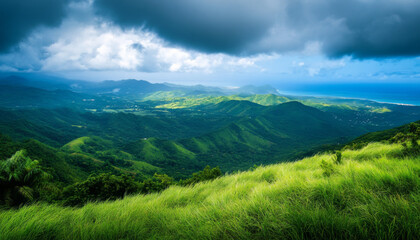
178, 129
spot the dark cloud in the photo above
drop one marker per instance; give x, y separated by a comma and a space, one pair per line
19, 17
212, 26
361, 28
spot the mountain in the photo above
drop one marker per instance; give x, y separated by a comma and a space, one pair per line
235, 107
78, 159
14, 81
174, 100
126, 88
384, 135
29, 97
277, 133
64, 168
371, 194
231, 134
250, 89
37, 81
57, 127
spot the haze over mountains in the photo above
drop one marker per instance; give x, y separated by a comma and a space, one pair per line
180, 129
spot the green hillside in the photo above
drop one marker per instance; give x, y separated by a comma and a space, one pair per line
383, 135
63, 167
57, 127
78, 144
273, 134
235, 107
79, 158
372, 194
31, 97
174, 100
104, 151
365, 114
256, 134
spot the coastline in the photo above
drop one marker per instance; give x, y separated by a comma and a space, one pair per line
316, 95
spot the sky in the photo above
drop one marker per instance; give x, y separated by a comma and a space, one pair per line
214, 42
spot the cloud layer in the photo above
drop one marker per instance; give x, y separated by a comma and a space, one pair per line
19, 17
83, 42
360, 28
289, 38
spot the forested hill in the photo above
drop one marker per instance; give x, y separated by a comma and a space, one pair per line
367, 193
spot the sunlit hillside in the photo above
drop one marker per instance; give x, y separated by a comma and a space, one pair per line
372, 193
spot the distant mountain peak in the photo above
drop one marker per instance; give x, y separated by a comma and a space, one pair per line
13, 80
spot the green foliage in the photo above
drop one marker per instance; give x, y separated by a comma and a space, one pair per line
394, 135
337, 158
277, 133
173, 102
356, 145
375, 196
158, 183
381, 110
409, 139
100, 187
21, 179
234, 134
106, 186
207, 174
255, 167
327, 168
57, 127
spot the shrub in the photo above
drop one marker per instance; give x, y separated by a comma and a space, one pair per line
207, 174
158, 183
100, 187
337, 158
21, 179
327, 168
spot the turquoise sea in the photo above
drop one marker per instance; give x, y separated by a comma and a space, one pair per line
403, 93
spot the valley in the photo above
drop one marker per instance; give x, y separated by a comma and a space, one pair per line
97, 143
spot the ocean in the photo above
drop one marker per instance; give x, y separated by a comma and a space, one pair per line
402, 93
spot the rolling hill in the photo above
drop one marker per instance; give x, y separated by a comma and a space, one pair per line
29, 97
371, 194
79, 158
125, 88
382, 135
277, 133
57, 127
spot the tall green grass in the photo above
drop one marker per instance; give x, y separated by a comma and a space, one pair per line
372, 194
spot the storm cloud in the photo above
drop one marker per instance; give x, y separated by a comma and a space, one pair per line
214, 26
359, 28
18, 18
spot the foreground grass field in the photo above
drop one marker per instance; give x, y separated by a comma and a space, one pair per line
371, 194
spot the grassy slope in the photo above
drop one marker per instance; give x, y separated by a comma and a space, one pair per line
382, 135
71, 164
368, 115
372, 195
173, 100
191, 101
277, 133
91, 146
55, 162
57, 127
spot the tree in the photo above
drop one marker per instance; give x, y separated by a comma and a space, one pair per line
158, 183
20, 179
100, 187
207, 174
412, 136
